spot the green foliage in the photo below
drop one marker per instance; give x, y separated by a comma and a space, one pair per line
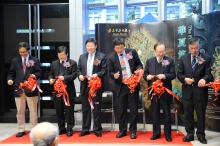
215, 70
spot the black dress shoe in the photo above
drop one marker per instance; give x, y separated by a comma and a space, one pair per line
202, 140
20, 134
169, 139
188, 138
84, 133
62, 131
69, 133
155, 137
98, 134
121, 134
133, 135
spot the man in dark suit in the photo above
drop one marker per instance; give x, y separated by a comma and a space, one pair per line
65, 69
194, 72
123, 62
160, 67
21, 68
90, 65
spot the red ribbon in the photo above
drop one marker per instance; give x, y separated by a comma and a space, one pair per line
158, 89
30, 84
133, 80
60, 87
94, 84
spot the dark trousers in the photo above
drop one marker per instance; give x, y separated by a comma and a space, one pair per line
156, 106
200, 108
60, 106
86, 111
125, 98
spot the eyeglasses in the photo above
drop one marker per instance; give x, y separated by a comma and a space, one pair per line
23, 52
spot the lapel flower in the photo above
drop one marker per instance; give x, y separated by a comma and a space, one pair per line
30, 63
165, 63
66, 64
96, 62
200, 60
129, 55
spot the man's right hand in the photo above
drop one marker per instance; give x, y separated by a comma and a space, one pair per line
150, 77
10, 82
116, 75
52, 81
189, 81
81, 78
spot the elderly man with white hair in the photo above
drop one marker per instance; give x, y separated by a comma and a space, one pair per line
44, 134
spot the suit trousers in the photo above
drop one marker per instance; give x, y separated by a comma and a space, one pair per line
200, 108
62, 120
86, 110
125, 98
156, 106
21, 106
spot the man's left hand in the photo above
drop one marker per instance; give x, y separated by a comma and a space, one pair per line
161, 76
201, 83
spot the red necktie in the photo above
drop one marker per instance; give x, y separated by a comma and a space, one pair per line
24, 65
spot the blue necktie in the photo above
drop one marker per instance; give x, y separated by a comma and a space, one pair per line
193, 64
123, 66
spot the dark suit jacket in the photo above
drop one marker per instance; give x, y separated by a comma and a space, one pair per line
168, 71
202, 71
115, 66
16, 74
100, 69
69, 75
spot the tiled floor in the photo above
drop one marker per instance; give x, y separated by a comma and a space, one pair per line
11, 128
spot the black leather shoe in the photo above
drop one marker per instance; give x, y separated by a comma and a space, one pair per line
202, 140
169, 139
121, 134
155, 137
62, 131
20, 134
69, 133
84, 133
133, 135
98, 134
188, 138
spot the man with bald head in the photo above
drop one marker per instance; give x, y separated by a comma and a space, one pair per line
44, 134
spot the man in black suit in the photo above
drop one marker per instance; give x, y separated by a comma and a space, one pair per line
21, 68
65, 69
160, 67
123, 62
194, 72
90, 65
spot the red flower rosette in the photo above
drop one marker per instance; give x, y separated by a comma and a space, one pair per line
30, 84
216, 86
158, 89
94, 84
133, 80
60, 87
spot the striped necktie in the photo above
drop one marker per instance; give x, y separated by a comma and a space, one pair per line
193, 64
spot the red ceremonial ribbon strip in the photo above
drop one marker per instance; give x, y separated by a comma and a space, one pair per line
216, 86
94, 84
60, 87
158, 89
133, 80
30, 84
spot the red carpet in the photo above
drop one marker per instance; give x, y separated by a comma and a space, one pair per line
108, 137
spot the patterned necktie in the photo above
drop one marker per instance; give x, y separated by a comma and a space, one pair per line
123, 66
193, 64
89, 66
24, 65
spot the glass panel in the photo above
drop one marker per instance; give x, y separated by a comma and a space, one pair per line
215, 5
183, 9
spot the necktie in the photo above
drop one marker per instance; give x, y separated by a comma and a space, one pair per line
89, 66
24, 65
123, 66
193, 64
61, 68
